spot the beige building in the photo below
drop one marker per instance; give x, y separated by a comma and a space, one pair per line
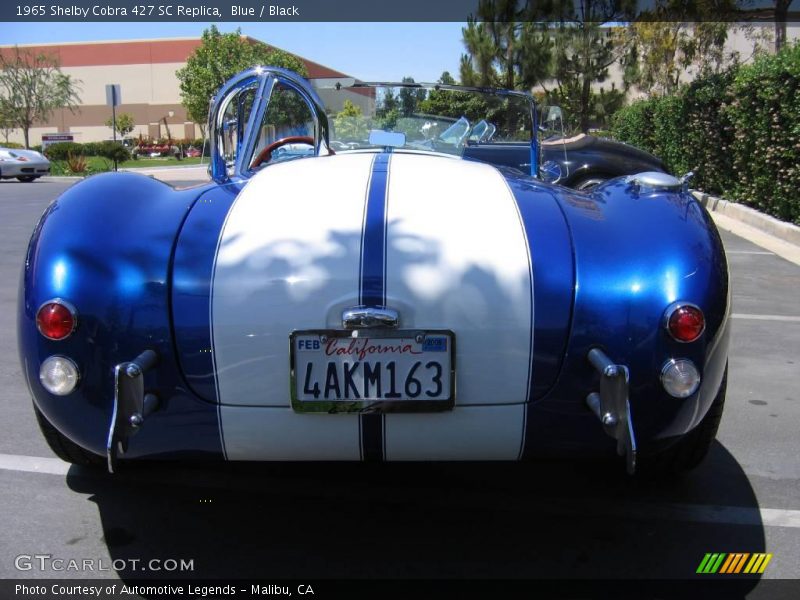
149, 89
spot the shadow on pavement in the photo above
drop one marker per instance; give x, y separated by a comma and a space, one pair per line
534, 520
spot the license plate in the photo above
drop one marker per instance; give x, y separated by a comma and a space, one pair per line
372, 370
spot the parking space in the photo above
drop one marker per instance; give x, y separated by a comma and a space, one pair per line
548, 519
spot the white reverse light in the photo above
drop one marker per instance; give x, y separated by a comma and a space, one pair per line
58, 375
680, 377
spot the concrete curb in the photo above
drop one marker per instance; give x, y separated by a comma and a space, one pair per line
780, 229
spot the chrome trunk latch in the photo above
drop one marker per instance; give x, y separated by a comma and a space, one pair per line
612, 407
368, 317
131, 405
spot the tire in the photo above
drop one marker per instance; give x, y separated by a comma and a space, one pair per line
689, 451
589, 182
65, 449
26, 178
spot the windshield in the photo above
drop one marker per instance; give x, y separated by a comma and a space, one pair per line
430, 118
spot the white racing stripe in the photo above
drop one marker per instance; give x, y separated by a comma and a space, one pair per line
698, 513
288, 259
454, 225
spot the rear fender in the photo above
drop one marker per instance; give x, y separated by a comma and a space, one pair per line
105, 246
635, 254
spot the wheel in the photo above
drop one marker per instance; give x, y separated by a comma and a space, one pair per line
589, 182
691, 449
65, 449
26, 178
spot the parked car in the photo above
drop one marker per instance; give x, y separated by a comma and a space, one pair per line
192, 152
25, 165
399, 301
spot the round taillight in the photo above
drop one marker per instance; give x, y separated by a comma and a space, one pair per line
56, 319
685, 322
59, 375
680, 377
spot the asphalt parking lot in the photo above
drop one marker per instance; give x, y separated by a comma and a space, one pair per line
486, 521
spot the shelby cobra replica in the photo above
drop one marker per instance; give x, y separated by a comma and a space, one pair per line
383, 295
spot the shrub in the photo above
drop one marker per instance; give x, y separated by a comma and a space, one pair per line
633, 124
764, 112
112, 151
77, 164
91, 148
63, 150
709, 133
738, 130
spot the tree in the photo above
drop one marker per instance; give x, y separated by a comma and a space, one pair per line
6, 124
585, 46
349, 123
518, 45
410, 98
125, 124
32, 87
673, 40
781, 13
508, 45
219, 57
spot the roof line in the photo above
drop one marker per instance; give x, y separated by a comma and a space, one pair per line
118, 41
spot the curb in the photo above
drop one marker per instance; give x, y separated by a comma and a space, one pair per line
770, 225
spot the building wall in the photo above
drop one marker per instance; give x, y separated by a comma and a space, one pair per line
149, 88
742, 39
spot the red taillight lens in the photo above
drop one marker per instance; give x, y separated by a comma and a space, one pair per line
55, 320
686, 323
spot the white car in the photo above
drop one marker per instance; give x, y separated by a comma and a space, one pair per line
25, 165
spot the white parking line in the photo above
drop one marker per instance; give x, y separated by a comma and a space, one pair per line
33, 464
699, 513
784, 318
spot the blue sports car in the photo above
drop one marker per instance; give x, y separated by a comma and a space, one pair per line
363, 281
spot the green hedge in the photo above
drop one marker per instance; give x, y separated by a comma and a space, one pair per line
739, 131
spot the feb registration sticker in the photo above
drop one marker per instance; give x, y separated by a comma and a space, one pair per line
370, 370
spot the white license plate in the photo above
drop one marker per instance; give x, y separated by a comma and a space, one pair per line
372, 370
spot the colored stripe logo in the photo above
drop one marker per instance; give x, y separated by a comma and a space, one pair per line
734, 563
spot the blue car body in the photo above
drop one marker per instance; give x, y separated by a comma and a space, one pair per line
139, 261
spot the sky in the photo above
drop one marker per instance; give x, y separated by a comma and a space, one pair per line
367, 51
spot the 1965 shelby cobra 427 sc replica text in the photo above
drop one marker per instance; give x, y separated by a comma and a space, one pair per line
364, 280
